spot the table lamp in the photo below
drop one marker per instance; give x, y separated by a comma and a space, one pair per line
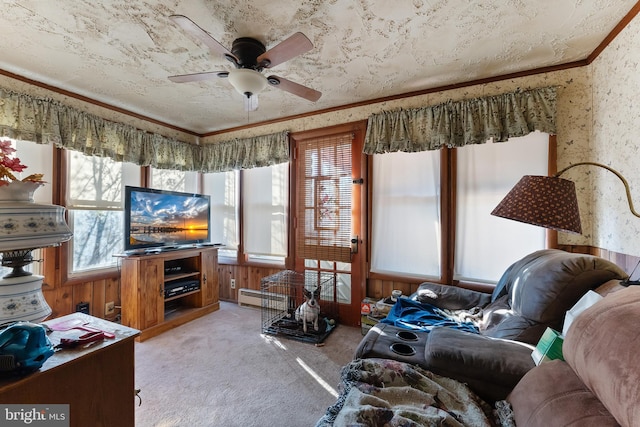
24, 226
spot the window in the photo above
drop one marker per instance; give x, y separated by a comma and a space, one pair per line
486, 173
342, 271
173, 180
94, 203
406, 214
265, 195
406, 223
324, 198
37, 159
222, 188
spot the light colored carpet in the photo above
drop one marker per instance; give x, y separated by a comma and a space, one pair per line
219, 370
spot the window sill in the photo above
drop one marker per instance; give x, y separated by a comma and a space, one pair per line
232, 261
398, 277
92, 275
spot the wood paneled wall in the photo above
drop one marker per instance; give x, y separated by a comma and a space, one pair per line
246, 277
63, 299
626, 262
380, 288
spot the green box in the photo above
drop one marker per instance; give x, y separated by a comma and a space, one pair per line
549, 347
367, 322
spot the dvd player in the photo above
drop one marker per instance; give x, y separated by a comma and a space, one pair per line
180, 287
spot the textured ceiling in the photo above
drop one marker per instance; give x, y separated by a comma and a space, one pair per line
120, 52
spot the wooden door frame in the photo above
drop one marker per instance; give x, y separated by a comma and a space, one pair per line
349, 313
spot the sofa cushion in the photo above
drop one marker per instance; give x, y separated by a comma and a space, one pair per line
603, 348
542, 286
551, 394
490, 366
558, 280
450, 297
499, 321
391, 342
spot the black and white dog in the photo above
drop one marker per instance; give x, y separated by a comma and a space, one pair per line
309, 311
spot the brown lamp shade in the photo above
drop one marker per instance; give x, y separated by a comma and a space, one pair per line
546, 201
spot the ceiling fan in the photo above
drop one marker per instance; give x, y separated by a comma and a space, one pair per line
250, 57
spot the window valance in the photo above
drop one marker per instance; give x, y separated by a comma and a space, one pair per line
258, 151
458, 123
46, 121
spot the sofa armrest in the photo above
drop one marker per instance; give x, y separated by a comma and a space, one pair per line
451, 297
490, 366
552, 394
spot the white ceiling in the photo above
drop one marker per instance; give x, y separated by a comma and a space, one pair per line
120, 52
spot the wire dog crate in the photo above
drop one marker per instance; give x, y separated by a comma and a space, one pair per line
282, 293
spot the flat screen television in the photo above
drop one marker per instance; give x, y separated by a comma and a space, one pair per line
161, 219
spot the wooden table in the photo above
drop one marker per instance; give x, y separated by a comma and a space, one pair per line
97, 381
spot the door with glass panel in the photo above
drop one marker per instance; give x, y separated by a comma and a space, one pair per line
327, 212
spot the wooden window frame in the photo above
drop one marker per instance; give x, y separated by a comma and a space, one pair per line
448, 173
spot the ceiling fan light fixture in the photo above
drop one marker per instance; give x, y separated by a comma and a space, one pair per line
247, 82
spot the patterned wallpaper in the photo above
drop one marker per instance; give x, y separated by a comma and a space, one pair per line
574, 124
615, 141
596, 117
121, 51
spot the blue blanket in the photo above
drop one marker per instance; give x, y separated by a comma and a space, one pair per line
409, 314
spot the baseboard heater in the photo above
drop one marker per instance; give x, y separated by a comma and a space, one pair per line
253, 298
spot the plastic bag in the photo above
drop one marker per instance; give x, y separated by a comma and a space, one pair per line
583, 303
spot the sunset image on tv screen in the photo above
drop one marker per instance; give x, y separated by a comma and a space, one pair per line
167, 218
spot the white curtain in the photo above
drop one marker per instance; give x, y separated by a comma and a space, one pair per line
406, 214
37, 157
265, 194
222, 188
174, 180
486, 245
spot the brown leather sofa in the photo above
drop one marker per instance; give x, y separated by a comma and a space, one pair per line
533, 294
599, 383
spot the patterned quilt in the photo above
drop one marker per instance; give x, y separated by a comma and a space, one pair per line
384, 392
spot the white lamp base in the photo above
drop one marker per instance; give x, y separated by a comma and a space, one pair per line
21, 299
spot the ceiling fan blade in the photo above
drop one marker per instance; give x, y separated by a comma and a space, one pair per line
294, 88
198, 33
295, 45
197, 77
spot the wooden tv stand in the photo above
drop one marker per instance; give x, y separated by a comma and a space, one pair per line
145, 277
